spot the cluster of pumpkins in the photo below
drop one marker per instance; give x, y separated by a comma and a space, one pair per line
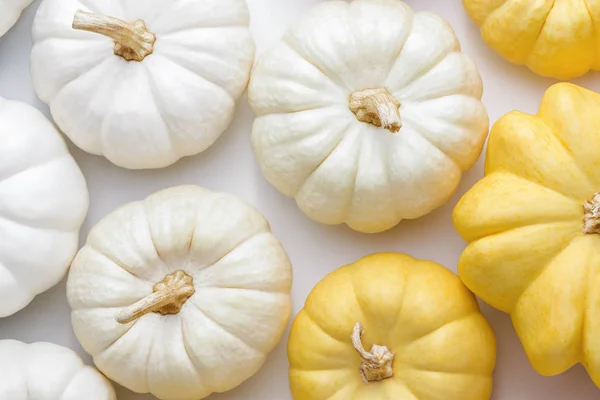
366, 114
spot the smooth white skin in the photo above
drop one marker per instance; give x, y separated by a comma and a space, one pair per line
223, 333
43, 202
45, 371
10, 11
148, 114
311, 146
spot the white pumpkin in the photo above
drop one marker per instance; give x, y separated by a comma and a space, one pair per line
367, 113
46, 371
161, 83
43, 202
181, 295
10, 11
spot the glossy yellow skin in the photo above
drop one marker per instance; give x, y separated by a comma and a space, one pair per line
444, 347
528, 255
554, 38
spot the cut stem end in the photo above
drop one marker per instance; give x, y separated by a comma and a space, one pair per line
591, 215
377, 364
377, 107
133, 41
168, 297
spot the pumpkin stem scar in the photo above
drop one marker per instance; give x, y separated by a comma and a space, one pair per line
377, 107
377, 364
133, 41
591, 215
168, 297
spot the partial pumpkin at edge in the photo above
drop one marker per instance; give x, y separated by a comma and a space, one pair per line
532, 226
557, 39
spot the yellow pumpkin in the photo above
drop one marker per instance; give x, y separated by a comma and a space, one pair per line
554, 38
533, 224
390, 327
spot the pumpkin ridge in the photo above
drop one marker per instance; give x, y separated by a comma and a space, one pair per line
196, 274
584, 316
416, 129
483, 19
165, 34
312, 320
498, 135
29, 168
492, 300
147, 363
341, 135
401, 307
434, 371
474, 238
129, 327
158, 105
330, 76
584, 332
540, 272
116, 263
408, 34
569, 152
506, 171
329, 396
187, 352
285, 113
443, 325
180, 65
537, 38
397, 91
87, 71
209, 317
352, 133
594, 30
287, 44
82, 368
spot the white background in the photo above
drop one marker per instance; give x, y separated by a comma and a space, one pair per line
315, 250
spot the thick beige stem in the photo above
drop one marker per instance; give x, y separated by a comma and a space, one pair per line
377, 364
169, 296
591, 215
133, 41
377, 107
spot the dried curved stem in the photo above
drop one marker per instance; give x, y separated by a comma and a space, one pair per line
377, 364
133, 41
169, 296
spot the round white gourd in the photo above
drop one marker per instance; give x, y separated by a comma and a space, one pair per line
46, 371
189, 61
10, 11
182, 294
367, 113
43, 202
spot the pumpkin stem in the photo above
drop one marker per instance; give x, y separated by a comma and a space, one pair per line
169, 296
591, 215
377, 364
377, 107
133, 41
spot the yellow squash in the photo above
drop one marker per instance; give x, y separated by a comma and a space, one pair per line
555, 38
533, 225
390, 327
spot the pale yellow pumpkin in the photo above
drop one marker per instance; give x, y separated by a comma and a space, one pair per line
555, 38
424, 336
533, 225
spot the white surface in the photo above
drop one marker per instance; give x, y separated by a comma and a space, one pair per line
315, 250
